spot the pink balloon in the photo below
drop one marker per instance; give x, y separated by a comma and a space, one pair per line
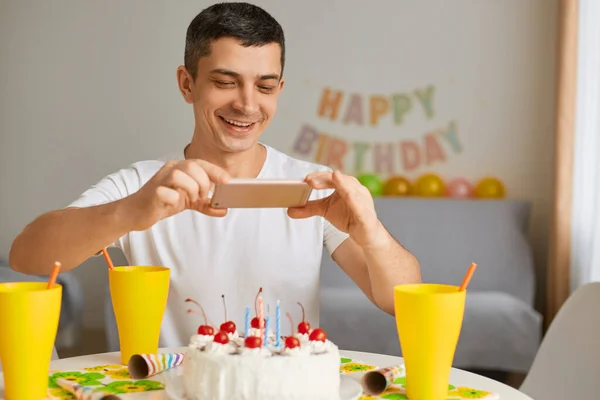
460, 188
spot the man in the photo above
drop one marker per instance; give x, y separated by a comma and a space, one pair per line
158, 212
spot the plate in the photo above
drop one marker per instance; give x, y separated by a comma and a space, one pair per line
350, 389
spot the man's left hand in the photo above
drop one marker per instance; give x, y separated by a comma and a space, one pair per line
350, 208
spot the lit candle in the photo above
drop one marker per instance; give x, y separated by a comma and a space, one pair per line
247, 323
267, 329
278, 325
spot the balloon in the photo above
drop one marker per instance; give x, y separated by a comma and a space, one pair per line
429, 185
460, 188
371, 182
490, 188
396, 186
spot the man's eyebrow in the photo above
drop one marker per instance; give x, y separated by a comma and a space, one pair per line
269, 76
234, 74
223, 71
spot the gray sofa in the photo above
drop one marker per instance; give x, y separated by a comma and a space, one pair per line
501, 329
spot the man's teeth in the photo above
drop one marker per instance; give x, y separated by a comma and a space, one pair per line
237, 123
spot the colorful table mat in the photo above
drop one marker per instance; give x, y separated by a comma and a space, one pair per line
115, 379
111, 379
397, 391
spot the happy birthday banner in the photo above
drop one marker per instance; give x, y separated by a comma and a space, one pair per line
369, 111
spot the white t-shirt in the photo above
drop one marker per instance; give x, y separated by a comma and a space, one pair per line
234, 255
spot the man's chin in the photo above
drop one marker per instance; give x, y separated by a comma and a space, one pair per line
239, 145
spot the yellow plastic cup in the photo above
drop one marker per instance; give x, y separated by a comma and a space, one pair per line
139, 298
29, 315
429, 319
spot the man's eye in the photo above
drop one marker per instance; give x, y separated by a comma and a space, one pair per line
224, 83
268, 89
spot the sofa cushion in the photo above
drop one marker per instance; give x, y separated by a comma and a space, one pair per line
446, 235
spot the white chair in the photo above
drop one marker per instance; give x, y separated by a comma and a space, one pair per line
567, 365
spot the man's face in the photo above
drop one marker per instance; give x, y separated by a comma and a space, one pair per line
235, 93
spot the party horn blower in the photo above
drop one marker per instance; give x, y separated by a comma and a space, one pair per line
377, 381
145, 365
85, 392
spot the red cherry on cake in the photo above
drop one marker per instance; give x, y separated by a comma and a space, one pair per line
206, 330
318, 335
253, 342
304, 326
291, 342
228, 326
255, 323
221, 337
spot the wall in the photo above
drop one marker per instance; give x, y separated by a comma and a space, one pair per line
89, 87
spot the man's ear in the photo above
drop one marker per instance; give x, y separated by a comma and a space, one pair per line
185, 83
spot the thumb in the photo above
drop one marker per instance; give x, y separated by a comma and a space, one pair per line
311, 209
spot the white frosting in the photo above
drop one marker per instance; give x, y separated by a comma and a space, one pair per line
224, 372
298, 351
201, 340
233, 336
302, 337
258, 351
256, 332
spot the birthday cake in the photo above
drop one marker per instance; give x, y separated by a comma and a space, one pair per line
224, 364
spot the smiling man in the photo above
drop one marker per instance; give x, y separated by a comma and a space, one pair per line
158, 212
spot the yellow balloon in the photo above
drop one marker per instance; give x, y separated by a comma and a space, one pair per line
490, 188
396, 186
429, 185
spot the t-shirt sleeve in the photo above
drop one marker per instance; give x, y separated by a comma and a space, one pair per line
110, 188
332, 237
103, 192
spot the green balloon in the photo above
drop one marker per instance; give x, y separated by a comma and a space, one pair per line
371, 182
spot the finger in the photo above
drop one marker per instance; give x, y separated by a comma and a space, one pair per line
319, 175
205, 208
344, 184
168, 197
215, 173
355, 195
348, 186
199, 175
310, 209
179, 180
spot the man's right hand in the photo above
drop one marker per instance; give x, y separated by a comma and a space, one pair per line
177, 186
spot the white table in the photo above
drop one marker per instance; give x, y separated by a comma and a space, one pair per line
457, 377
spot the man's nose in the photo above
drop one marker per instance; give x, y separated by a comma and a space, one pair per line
246, 102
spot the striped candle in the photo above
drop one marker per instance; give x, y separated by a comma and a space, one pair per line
261, 317
247, 323
278, 325
267, 329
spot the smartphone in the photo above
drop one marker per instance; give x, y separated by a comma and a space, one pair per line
261, 193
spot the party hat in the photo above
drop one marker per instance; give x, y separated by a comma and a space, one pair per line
377, 381
145, 365
85, 392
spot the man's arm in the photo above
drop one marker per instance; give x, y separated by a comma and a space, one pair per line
74, 234
70, 236
377, 268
